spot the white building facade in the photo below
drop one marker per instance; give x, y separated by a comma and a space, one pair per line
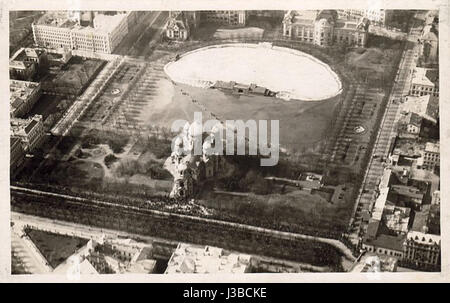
107, 32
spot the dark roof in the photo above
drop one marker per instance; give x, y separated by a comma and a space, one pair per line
430, 33
372, 229
30, 126
433, 106
407, 191
17, 103
420, 219
433, 75
178, 20
388, 242
430, 36
414, 119
330, 14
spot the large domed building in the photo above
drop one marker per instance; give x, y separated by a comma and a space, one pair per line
188, 168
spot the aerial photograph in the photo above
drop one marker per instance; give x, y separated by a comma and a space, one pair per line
224, 141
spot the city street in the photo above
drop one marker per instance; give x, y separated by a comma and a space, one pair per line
378, 161
77, 230
149, 37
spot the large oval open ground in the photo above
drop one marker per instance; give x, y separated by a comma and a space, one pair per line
299, 75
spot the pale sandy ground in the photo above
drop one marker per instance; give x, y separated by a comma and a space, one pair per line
157, 105
291, 71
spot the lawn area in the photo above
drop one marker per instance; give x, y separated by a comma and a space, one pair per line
303, 124
377, 62
73, 77
101, 160
55, 248
296, 210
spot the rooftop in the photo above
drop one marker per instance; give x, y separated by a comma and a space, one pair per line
21, 88
373, 263
430, 32
426, 106
20, 64
423, 238
396, 218
380, 203
420, 219
176, 19
61, 19
56, 19
407, 191
25, 53
414, 119
384, 182
425, 76
21, 127
388, 242
303, 16
431, 147
372, 229
206, 259
408, 148
107, 23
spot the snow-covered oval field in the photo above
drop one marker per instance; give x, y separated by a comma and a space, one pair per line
279, 69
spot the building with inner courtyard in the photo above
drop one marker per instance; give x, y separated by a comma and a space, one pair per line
65, 30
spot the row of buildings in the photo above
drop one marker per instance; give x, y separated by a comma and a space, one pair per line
404, 221
429, 40
402, 224
380, 17
322, 28
107, 255
26, 134
56, 34
98, 32
27, 131
199, 259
